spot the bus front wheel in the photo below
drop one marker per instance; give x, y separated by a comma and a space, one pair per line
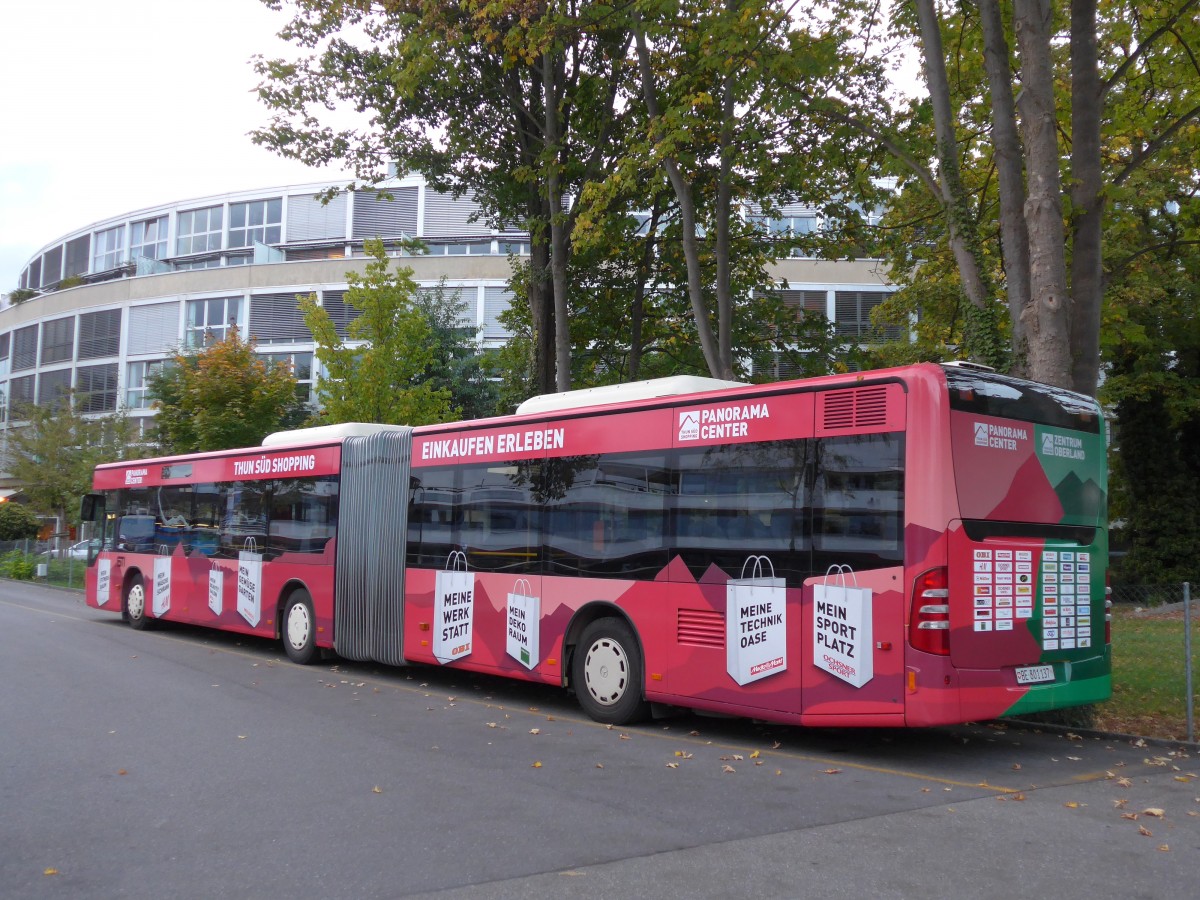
607, 673
135, 603
299, 628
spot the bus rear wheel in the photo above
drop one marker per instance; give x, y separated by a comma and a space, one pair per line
606, 671
135, 604
299, 628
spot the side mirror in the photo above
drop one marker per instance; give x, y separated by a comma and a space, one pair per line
91, 508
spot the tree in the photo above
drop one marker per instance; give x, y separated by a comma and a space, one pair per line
53, 453
17, 522
1046, 126
514, 103
720, 125
221, 396
381, 375
457, 366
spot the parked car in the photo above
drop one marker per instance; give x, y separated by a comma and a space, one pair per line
75, 551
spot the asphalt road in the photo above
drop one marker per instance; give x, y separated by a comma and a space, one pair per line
182, 763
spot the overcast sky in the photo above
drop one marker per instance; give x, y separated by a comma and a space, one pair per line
108, 107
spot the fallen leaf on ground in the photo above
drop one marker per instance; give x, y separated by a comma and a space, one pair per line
536, 765
728, 768
1143, 830
50, 871
377, 790
833, 771
1153, 811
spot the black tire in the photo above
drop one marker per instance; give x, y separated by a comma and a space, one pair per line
606, 672
298, 628
133, 604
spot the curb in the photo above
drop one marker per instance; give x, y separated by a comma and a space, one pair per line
1102, 735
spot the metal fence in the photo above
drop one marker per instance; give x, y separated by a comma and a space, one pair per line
42, 562
1176, 597
1147, 595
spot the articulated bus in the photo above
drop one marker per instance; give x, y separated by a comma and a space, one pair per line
905, 547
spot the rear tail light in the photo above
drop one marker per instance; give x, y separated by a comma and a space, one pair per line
929, 622
1107, 609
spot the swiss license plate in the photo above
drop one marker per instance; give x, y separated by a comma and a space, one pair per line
1035, 674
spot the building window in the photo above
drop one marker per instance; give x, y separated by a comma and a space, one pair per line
107, 249
137, 383
210, 319
96, 388
148, 238
853, 315
54, 388
24, 348
301, 367
209, 262
77, 256
20, 392
52, 266
58, 340
258, 220
199, 230
99, 334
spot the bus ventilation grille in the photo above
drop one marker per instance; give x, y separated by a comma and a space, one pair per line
856, 408
700, 628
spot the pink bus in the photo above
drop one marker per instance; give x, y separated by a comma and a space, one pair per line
903, 547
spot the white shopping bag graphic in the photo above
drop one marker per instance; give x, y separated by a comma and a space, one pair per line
249, 589
453, 609
162, 582
103, 581
755, 622
216, 588
842, 641
524, 624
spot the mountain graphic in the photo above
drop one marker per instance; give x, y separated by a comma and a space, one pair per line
1080, 498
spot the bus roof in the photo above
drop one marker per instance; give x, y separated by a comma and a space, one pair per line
672, 386
325, 434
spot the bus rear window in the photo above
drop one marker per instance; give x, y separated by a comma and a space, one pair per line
988, 394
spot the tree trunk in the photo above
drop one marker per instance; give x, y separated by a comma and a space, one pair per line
961, 230
559, 242
541, 308
1046, 318
1087, 203
1006, 144
723, 211
687, 216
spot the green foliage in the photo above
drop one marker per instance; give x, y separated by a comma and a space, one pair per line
16, 564
53, 453
222, 396
17, 522
457, 367
388, 370
20, 295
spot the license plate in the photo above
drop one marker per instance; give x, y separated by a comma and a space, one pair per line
1035, 674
